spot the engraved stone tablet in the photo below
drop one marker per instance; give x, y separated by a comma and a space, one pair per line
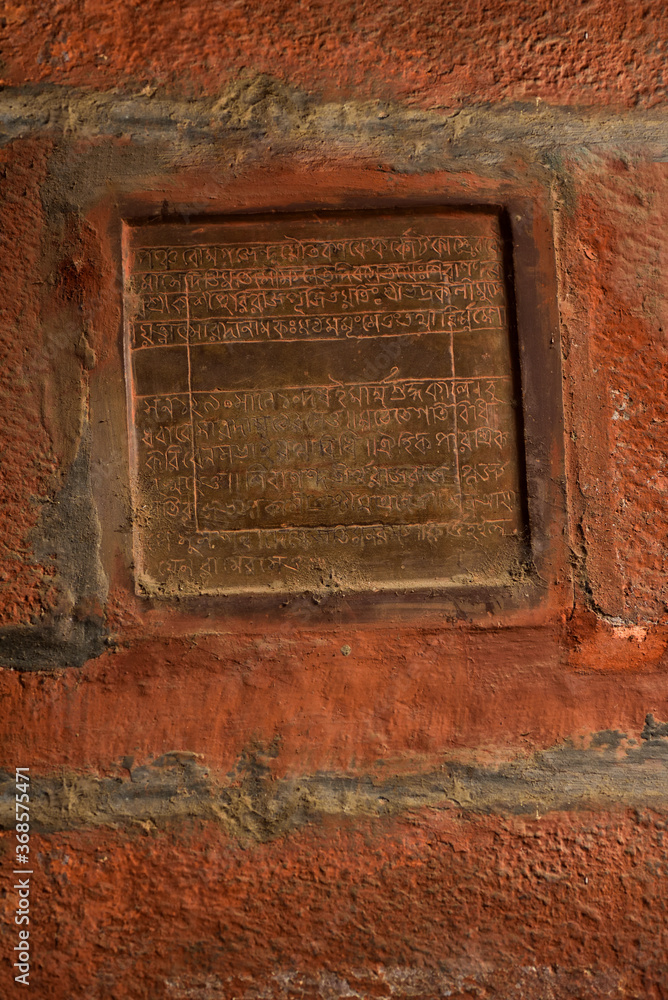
322, 400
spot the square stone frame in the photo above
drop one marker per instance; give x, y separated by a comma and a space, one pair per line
538, 595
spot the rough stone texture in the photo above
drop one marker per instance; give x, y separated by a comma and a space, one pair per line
614, 253
430, 54
27, 456
430, 904
252, 803
310, 804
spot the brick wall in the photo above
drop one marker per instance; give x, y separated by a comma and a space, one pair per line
226, 805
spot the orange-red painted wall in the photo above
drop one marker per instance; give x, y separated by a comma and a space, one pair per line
227, 805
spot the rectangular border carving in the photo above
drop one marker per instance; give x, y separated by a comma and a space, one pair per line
545, 575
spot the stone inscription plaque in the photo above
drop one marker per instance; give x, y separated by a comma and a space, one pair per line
322, 401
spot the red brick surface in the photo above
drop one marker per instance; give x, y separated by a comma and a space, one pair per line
613, 254
431, 54
566, 904
28, 461
398, 700
467, 905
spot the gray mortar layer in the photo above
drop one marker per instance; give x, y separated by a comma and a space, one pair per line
252, 806
262, 109
401, 981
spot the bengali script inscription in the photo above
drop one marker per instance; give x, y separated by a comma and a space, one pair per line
322, 401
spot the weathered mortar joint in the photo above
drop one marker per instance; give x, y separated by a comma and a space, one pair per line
259, 108
654, 730
400, 981
252, 806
